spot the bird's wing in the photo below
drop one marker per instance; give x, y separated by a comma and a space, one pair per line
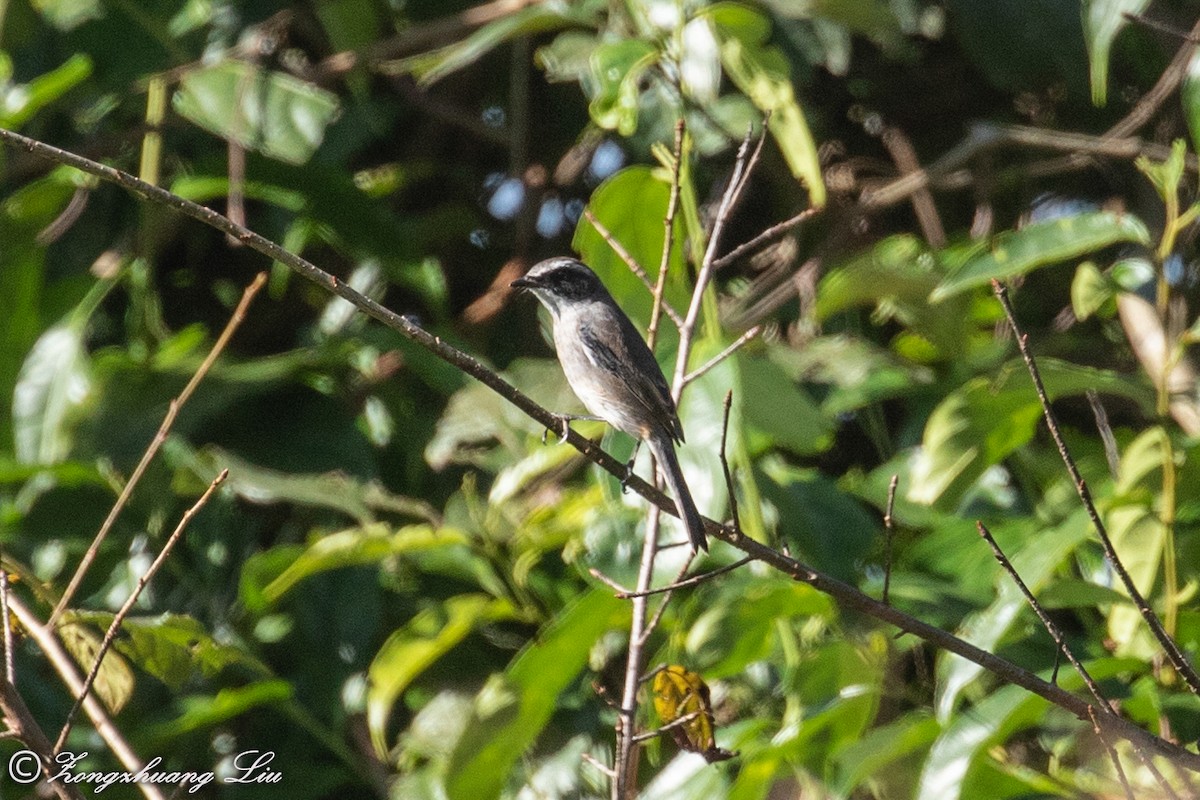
628, 358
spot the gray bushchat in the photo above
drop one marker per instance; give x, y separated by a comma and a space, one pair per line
612, 371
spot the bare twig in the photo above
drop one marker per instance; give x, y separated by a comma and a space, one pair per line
609, 582
656, 618
692, 581
738, 344
770, 234
111, 634
24, 728
10, 672
1174, 654
668, 226
235, 320
848, 597
603, 768
678, 722
1047, 623
726, 471
889, 529
64, 665
1167, 83
630, 262
1111, 454
1112, 754
905, 157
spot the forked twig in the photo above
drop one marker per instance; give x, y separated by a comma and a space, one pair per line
738, 344
691, 581
630, 262
111, 634
1174, 654
160, 436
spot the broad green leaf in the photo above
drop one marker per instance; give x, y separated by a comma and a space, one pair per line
632, 205
891, 746
966, 737
771, 402
1139, 537
411, 650
828, 527
173, 647
346, 549
431, 67
271, 112
1040, 244
986, 419
361, 500
729, 636
21, 102
53, 382
114, 682
1102, 21
617, 69
568, 57
1190, 98
1090, 291
514, 707
762, 72
1036, 561
205, 711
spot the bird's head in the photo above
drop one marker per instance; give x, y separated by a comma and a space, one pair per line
561, 281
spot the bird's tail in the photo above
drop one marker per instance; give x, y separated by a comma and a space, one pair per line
693, 523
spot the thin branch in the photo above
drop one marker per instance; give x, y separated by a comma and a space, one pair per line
1174, 654
888, 527
770, 234
64, 665
1112, 754
630, 262
678, 722
668, 237
24, 728
1047, 623
609, 582
1111, 454
111, 634
656, 618
604, 769
1165, 87
905, 158
235, 320
692, 581
725, 470
724, 354
10, 672
848, 597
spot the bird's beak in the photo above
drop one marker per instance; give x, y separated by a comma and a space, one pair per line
523, 283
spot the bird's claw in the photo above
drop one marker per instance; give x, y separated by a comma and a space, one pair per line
563, 431
628, 475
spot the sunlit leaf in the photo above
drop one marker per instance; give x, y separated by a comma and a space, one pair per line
54, 380
205, 711
114, 682
411, 650
679, 693
21, 102
986, 419
762, 72
271, 112
1040, 244
617, 69
514, 707
1102, 21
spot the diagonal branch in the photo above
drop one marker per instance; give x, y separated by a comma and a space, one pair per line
847, 596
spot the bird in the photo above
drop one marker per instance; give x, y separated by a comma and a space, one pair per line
612, 371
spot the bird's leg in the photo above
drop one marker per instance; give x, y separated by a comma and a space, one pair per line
564, 421
629, 466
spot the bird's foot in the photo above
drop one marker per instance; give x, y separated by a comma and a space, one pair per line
629, 467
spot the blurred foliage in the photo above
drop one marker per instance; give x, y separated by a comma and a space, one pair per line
392, 592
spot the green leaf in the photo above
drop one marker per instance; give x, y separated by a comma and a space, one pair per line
114, 681
53, 382
205, 711
513, 708
21, 103
632, 205
1036, 561
1090, 291
411, 650
348, 548
1102, 21
728, 636
774, 404
428, 68
173, 647
1166, 175
1190, 98
271, 112
985, 420
762, 72
1043, 243
617, 69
